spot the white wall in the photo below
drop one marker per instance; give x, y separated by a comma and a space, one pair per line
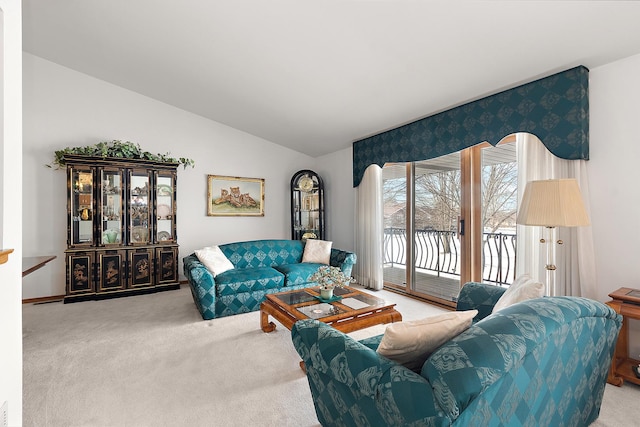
614, 173
336, 170
11, 209
64, 108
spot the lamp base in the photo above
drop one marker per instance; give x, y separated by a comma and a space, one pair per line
550, 267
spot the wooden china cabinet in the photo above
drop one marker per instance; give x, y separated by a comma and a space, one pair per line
121, 227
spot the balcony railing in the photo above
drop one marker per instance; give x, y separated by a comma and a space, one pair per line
439, 252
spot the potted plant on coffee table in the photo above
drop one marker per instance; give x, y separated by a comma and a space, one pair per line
329, 278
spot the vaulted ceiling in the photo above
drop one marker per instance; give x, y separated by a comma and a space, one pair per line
315, 75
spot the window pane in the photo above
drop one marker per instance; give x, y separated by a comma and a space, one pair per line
436, 212
499, 204
394, 194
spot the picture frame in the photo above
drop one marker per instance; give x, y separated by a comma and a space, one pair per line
234, 196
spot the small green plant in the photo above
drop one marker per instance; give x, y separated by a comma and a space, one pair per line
116, 149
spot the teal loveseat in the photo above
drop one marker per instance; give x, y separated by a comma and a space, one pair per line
260, 267
542, 362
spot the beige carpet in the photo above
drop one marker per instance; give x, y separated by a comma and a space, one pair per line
151, 361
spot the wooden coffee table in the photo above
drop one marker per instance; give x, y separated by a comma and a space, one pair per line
354, 311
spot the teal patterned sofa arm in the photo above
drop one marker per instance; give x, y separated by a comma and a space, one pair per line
479, 296
542, 362
343, 259
202, 285
473, 296
354, 386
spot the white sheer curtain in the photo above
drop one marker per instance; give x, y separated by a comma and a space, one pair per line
575, 259
368, 268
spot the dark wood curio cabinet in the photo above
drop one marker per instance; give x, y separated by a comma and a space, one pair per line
307, 206
121, 227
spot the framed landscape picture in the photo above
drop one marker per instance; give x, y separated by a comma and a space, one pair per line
235, 196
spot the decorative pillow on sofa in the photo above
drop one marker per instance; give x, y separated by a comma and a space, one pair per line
411, 343
213, 258
522, 289
318, 251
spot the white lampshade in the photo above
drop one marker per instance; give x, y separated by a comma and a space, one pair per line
553, 203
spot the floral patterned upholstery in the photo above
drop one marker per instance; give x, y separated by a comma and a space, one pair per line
260, 267
542, 362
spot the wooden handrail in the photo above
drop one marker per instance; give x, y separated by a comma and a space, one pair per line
31, 264
4, 255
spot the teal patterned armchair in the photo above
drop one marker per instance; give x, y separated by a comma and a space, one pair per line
542, 362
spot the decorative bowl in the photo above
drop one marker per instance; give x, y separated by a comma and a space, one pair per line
164, 211
139, 234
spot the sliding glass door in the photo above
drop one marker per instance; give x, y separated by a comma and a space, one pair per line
450, 220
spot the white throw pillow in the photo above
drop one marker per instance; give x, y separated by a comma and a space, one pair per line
317, 251
411, 343
213, 258
522, 289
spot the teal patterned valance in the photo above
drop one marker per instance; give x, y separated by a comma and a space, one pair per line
555, 109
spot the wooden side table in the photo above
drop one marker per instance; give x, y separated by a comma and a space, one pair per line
625, 301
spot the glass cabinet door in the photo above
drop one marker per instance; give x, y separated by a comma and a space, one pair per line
165, 208
81, 206
111, 206
139, 219
307, 206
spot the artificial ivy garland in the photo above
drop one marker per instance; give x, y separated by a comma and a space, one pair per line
117, 149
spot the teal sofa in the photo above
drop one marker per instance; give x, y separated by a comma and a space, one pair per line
260, 267
542, 362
